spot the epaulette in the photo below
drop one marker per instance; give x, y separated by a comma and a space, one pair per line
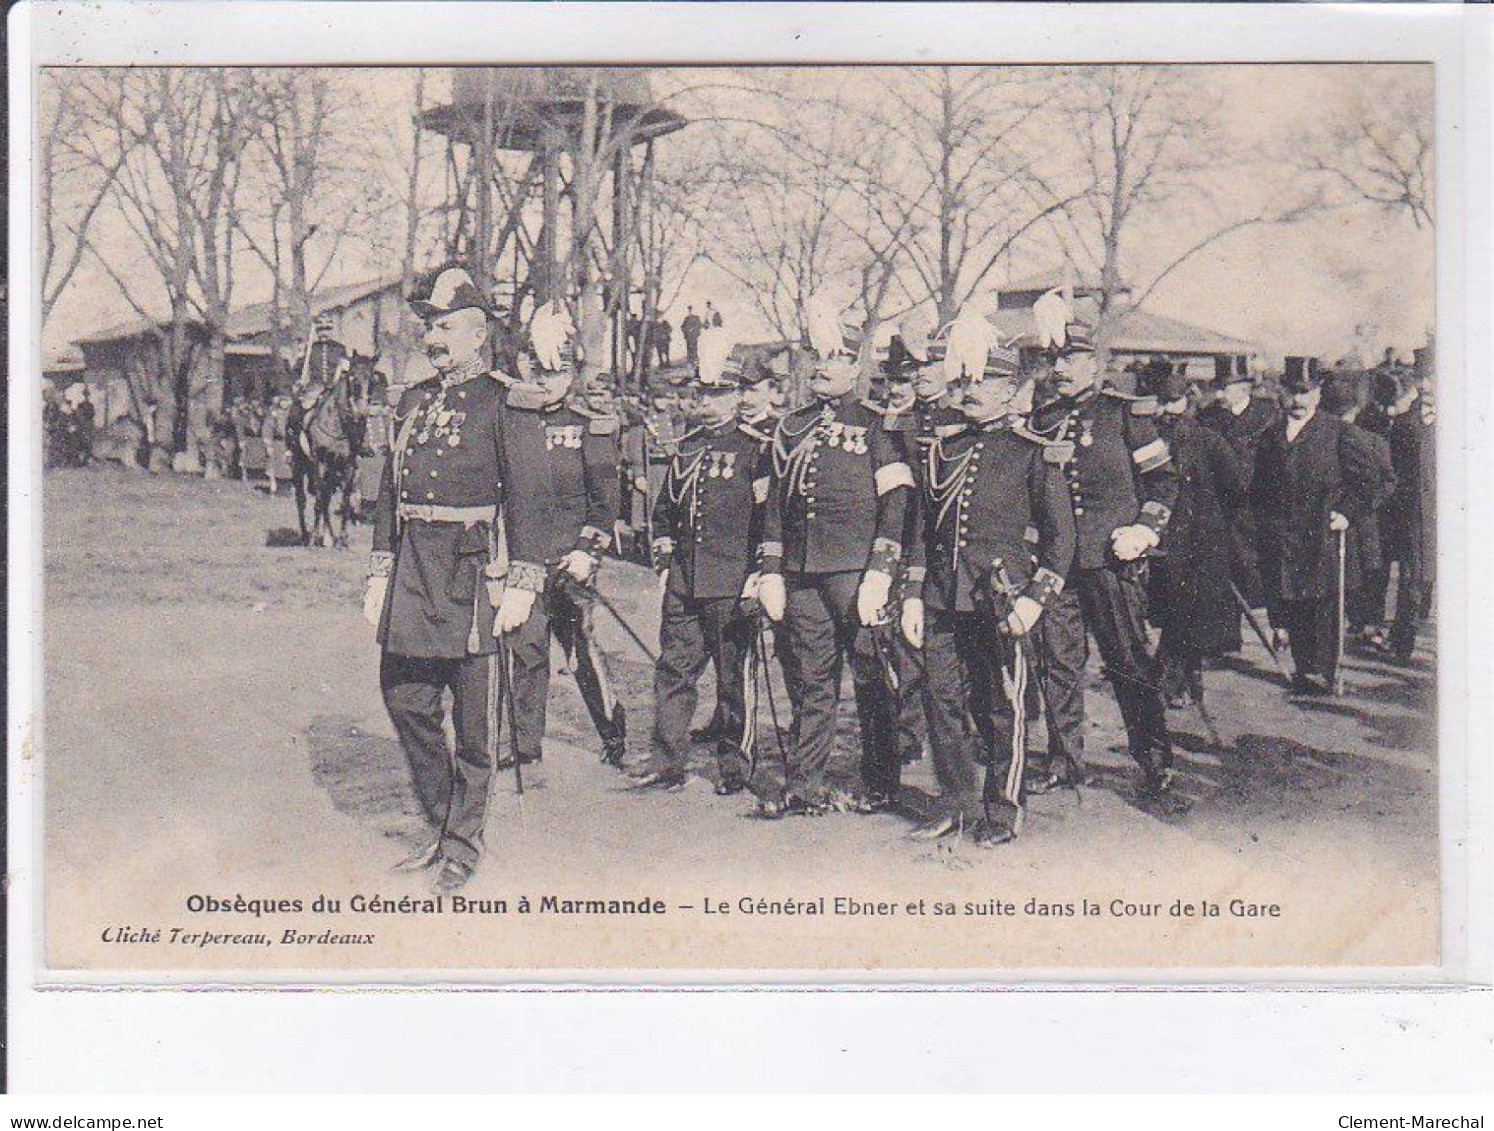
600, 425
1139, 404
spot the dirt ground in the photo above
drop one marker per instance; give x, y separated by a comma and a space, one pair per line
213, 730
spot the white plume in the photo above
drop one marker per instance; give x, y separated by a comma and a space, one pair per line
822, 324
915, 332
549, 332
969, 341
1052, 315
714, 348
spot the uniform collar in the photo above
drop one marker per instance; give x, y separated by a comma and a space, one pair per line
473, 367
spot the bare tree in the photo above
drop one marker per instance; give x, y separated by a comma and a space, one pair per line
1377, 147
76, 169
185, 132
1146, 139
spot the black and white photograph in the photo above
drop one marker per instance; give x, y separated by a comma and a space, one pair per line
502, 522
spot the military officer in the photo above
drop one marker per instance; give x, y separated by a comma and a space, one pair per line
1122, 484
832, 544
709, 522
561, 505
1314, 477
434, 576
985, 489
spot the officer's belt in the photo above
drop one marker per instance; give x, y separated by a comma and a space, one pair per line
428, 513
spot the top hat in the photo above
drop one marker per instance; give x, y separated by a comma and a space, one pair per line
1301, 374
1229, 370
1164, 380
451, 288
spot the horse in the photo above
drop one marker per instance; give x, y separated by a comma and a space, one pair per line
325, 433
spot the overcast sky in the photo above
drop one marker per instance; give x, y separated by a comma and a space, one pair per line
1315, 287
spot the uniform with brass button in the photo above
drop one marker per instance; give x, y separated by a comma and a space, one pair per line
708, 522
561, 506
1122, 483
831, 546
435, 575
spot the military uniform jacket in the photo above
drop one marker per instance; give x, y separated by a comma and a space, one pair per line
1121, 473
839, 493
920, 428
708, 515
563, 486
987, 490
438, 497
1295, 488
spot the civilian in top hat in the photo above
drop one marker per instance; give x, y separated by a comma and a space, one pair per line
999, 539
434, 575
1344, 396
1190, 570
1242, 418
1410, 524
562, 504
708, 522
1313, 479
1122, 483
831, 547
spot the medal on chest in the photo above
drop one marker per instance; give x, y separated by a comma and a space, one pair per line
562, 436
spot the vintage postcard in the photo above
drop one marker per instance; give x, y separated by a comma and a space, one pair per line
511, 524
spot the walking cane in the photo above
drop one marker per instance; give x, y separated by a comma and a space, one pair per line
1341, 622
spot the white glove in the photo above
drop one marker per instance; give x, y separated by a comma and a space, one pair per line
750, 587
580, 565
374, 592
773, 596
912, 621
514, 611
871, 596
1130, 542
1024, 616
1337, 521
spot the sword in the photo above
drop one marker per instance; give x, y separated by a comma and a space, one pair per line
653, 657
1260, 633
506, 697
1342, 622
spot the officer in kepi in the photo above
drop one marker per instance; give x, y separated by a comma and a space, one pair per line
1122, 484
987, 490
831, 547
434, 576
708, 522
562, 504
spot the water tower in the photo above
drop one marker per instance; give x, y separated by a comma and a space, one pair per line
520, 141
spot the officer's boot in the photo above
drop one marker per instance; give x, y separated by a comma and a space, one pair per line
615, 742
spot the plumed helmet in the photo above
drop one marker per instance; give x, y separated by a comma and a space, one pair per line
550, 338
967, 343
824, 328
714, 350
1052, 313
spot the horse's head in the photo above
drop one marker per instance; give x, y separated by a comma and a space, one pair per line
364, 379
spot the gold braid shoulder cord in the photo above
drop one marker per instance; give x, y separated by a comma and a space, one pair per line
790, 462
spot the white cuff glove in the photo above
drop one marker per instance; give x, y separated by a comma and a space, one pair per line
374, 592
1337, 522
773, 596
750, 586
871, 596
1130, 542
514, 611
912, 621
1024, 616
580, 565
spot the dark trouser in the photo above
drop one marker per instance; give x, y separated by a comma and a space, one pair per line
1113, 604
1365, 603
693, 633
972, 667
1412, 596
566, 611
823, 629
913, 699
1313, 628
1062, 649
453, 791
